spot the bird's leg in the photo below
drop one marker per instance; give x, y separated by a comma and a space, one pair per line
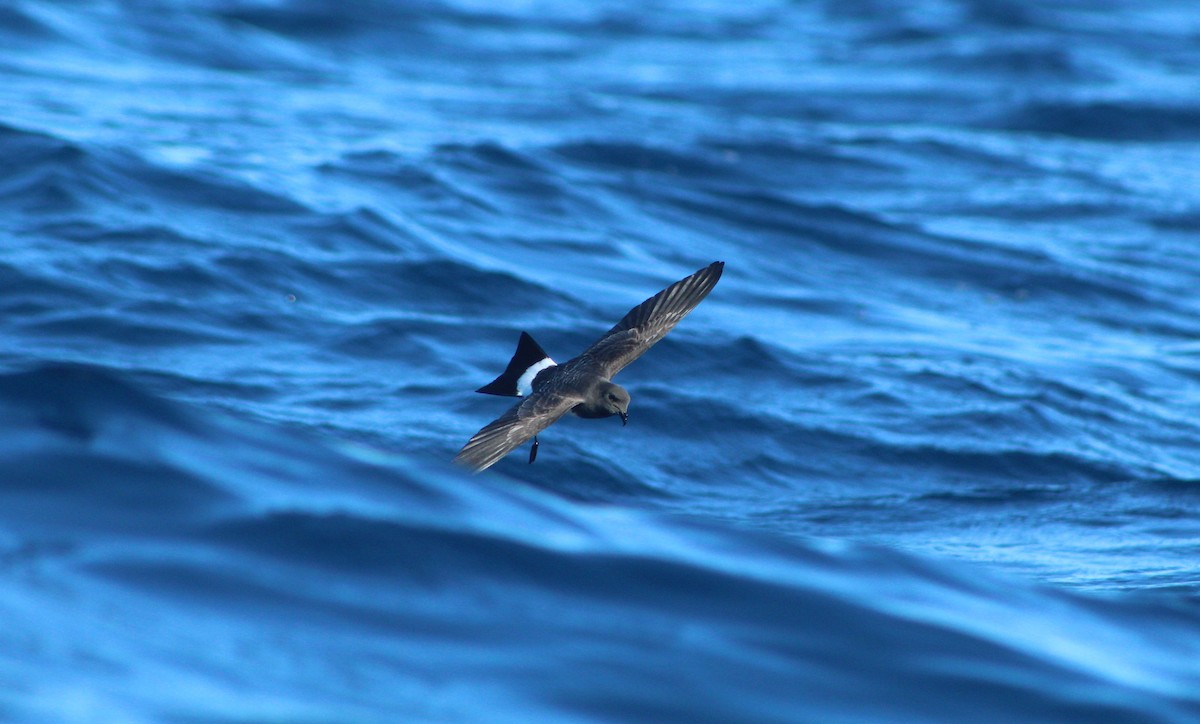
533, 450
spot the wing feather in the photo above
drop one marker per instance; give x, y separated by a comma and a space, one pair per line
650, 321
507, 432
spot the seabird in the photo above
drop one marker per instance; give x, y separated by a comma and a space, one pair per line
583, 385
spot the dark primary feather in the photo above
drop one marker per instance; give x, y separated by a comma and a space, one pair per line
650, 321
522, 421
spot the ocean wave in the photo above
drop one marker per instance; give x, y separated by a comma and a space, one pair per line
1109, 120
259, 255
166, 512
58, 178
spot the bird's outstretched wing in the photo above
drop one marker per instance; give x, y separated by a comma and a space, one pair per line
522, 421
649, 322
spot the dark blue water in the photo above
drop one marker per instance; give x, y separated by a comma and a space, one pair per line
928, 452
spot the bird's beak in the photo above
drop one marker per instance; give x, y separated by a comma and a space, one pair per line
624, 418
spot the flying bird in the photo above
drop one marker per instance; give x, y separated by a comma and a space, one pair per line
583, 385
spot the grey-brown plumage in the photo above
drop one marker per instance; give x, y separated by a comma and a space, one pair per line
582, 385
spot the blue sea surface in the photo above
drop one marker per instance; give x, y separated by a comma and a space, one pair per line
928, 452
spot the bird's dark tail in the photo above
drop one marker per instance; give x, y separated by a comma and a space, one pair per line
517, 379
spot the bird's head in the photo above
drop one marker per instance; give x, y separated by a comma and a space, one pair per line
615, 400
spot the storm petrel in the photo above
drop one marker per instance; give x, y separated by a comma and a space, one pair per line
583, 385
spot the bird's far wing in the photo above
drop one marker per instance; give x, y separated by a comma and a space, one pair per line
650, 321
504, 434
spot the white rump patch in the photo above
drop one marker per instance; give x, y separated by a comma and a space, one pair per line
525, 381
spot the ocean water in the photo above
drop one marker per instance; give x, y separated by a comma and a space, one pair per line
927, 453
